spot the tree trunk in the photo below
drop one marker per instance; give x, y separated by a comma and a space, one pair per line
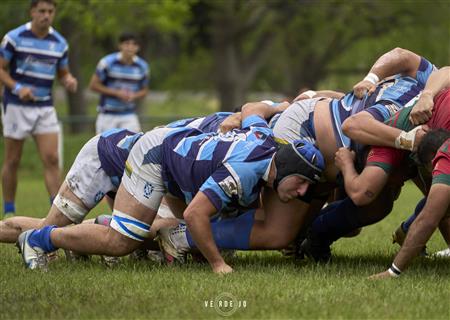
76, 101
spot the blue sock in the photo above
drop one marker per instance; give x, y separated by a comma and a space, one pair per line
231, 233
410, 220
335, 221
41, 238
9, 207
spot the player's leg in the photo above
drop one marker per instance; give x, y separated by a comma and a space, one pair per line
47, 145
11, 161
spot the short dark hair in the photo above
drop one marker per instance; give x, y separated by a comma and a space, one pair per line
34, 3
430, 144
127, 36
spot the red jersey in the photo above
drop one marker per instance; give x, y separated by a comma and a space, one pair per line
441, 164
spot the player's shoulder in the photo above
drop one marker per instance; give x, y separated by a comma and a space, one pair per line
17, 32
58, 36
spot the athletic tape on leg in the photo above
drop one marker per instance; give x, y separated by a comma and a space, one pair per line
129, 226
70, 209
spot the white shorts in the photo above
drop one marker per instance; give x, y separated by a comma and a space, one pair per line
297, 122
19, 122
106, 121
86, 179
142, 177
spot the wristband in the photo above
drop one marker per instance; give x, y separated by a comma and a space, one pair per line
310, 93
17, 88
405, 140
394, 271
372, 78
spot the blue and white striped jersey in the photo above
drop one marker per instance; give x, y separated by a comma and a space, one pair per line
390, 96
210, 123
229, 168
113, 148
116, 75
33, 62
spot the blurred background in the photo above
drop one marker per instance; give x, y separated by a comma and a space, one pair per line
210, 55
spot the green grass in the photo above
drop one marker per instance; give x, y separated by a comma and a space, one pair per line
272, 286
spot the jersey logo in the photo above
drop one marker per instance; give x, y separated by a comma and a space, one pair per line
148, 189
229, 186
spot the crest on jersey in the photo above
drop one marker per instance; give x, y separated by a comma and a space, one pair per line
229, 186
148, 190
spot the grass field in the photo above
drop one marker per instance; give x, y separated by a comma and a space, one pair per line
264, 285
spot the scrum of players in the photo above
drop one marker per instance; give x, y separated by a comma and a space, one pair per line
298, 174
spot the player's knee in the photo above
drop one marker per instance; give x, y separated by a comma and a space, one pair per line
51, 160
11, 163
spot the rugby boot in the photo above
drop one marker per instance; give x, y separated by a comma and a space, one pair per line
33, 257
167, 238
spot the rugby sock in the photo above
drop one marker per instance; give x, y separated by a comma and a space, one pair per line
9, 207
231, 233
410, 220
335, 221
41, 238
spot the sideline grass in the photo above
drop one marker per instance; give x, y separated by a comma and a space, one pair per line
271, 286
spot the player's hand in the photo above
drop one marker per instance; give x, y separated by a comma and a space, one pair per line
422, 110
343, 157
26, 94
222, 268
124, 95
231, 122
70, 83
381, 275
363, 87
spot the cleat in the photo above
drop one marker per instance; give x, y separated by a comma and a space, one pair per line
73, 256
442, 254
33, 257
171, 253
155, 256
110, 261
139, 254
314, 249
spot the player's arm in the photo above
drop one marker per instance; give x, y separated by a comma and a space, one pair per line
361, 188
262, 109
197, 216
438, 202
396, 61
140, 94
319, 94
96, 85
231, 122
365, 129
67, 79
437, 81
25, 93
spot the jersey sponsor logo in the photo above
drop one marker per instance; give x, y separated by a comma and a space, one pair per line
128, 169
99, 196
148, 189
229, 186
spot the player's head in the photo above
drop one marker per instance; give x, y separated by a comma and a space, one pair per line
42, 13
430, 144
298, 164
128, 44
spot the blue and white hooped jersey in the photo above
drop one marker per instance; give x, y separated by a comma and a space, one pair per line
113, 148
390, 96
119, 76
210, 123
229, 168
33, 62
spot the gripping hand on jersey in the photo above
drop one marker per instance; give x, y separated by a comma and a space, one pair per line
422, 110
363, 87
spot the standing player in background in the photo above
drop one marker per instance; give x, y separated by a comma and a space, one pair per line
121, 78
34, 53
